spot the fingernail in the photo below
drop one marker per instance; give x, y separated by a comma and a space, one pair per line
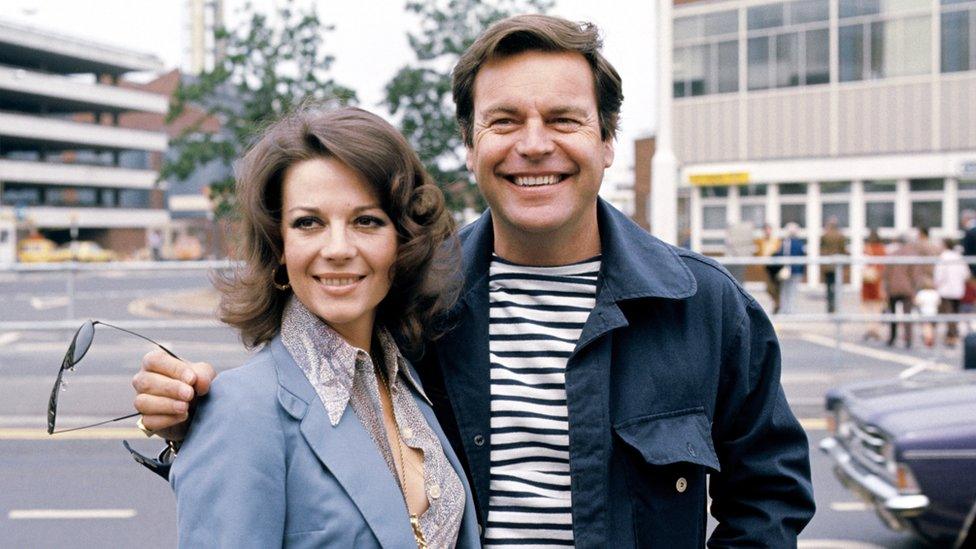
186, 393
188, 378
181, 407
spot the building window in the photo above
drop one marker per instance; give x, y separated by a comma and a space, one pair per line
717, 191
706, 54
880, 186
133, 198
926, 213
20, 195
958, 35
70, 196
792, 188
883, 39
840, 210
713, 217
835, 187
754, 213
922, 185
879, 215
753, 190
793, 213
788, 44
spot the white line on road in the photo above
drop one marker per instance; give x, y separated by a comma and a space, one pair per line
849, 506
35, 514
97, 433
869, 352
7, 338
44, 303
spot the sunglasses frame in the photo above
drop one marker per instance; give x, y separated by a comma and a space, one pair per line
69, 362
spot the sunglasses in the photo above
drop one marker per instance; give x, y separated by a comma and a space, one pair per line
80, 344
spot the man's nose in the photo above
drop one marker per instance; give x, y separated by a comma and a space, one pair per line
535, 140
337, 244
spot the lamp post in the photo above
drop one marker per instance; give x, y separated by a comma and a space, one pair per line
663, 205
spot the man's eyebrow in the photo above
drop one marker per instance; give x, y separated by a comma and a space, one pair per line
500, 109
571, 110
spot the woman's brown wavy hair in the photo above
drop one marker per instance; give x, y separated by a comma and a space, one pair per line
426, 274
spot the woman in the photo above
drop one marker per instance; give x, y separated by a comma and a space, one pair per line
951, 274
325, 438
872, 291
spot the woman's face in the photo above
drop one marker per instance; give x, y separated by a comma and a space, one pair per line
339, 245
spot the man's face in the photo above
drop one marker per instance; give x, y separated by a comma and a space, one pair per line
537, 154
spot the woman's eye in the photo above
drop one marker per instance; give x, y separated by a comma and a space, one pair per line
369, 221
304, 223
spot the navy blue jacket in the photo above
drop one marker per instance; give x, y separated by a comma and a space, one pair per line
675, 376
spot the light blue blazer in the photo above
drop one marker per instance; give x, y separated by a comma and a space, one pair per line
263, 467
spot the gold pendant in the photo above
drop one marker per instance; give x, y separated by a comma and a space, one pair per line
418, 534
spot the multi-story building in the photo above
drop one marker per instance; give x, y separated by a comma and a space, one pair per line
68, 168
806, 110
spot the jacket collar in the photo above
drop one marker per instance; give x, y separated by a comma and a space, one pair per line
634, 263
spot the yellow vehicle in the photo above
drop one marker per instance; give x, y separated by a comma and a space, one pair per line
40, 250
87, 251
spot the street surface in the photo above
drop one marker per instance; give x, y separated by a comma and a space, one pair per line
82, 489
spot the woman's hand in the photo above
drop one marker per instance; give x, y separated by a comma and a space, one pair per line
165, 388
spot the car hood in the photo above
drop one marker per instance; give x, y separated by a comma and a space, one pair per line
931, 400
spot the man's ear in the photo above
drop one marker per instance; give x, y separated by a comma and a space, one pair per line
469, 158
608, 153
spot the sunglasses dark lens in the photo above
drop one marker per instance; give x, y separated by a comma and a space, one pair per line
82, 341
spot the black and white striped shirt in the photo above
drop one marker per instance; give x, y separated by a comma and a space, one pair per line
537, 315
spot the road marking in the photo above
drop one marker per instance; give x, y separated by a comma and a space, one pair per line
44, 303
98, 433
63, 421
869, 352
849, 506
835, 544
70, 380
59, 514
813, 423
7, 338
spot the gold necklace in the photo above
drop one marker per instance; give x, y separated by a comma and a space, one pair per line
418, 534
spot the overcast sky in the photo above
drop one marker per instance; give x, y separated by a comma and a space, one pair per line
369, 41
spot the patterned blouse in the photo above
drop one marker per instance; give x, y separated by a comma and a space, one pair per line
342, 374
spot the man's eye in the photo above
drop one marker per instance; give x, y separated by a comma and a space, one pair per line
502, 122
304, 223
567, 122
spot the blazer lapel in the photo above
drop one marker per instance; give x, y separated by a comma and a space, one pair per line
347, 452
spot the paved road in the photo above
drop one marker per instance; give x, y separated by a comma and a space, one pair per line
77, 492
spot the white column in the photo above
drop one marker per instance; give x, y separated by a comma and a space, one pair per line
950, 208
814, 230
664, 166
696, 219
733, 211
858, 229
903, 208
773, 216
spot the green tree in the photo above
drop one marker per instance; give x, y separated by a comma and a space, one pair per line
270, 65
420, 93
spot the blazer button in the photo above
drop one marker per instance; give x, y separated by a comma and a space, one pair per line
479, 440
407, 432
434, 491
681, 485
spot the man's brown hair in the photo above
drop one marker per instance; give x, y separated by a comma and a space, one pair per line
544, 33
425, 274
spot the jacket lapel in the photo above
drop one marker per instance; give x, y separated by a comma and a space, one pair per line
346, 451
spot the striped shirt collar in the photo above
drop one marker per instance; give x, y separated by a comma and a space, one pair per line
330, 363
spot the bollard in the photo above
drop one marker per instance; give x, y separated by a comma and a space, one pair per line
969, 352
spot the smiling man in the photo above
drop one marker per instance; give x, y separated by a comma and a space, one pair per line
599, 383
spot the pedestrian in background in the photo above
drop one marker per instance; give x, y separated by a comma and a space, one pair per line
872, 290
832, 243
901, 282
155, 245
951, 274
927, 248
969, 237
927, 303
767, 245
789, 275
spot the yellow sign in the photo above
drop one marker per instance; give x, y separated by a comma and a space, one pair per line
716, 179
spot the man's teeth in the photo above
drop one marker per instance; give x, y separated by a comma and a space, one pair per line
536, 181
338, 281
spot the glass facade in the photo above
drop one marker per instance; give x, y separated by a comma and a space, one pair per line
28, 194
706, 54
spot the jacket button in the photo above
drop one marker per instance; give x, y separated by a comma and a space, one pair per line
479, 440
434, 491
407, 432
681, 485
691, 450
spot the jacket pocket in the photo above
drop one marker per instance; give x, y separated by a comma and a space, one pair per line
666, 460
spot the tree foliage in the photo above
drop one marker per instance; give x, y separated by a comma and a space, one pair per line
420, 93
270, 66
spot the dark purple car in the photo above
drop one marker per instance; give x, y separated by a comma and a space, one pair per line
908, 447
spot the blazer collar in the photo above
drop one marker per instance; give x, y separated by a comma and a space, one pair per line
634, 263
346, 450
